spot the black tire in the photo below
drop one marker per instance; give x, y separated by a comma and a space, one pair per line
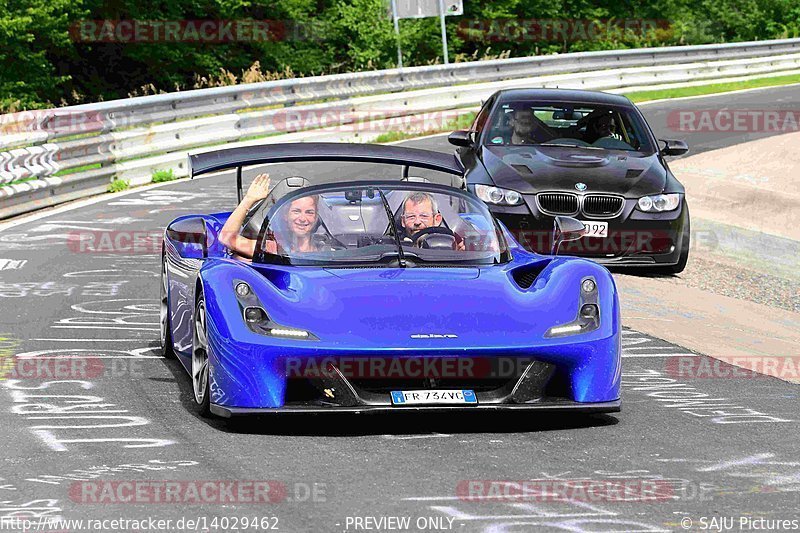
684, 256
200, 360
165, 326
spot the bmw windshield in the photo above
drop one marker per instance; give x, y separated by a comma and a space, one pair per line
589, 126
378, 224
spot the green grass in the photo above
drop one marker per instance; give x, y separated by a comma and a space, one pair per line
160, 176
393, 136
713, 88
118, 185
462, 122
75, 170
23, 180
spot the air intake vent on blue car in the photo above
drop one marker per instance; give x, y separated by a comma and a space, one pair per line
525, 276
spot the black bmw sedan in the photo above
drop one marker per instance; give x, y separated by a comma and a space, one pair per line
534, 154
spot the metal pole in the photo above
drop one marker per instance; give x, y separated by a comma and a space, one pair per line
397, 34
444, 32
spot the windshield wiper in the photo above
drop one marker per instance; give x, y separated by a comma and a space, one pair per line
564, 145
401, 258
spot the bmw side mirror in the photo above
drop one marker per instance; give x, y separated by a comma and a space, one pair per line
566, 229
674, 147
189, 237
460, 138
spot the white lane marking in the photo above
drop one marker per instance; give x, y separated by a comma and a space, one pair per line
454, 498
753, 459
57, 445
85, 352
11, 264
626, 348
409, 437
94, 357
132, 421
106, 328
540, 509
24, 219
85, 340
459, 515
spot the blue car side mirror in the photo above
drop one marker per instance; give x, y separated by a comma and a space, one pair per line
566, 229
189, 237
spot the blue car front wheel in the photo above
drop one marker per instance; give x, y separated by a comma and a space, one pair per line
200, 359
166, 332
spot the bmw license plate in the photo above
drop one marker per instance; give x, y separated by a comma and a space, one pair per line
595, 229
435, 397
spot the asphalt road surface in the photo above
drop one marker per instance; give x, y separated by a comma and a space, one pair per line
696, 443
710, 122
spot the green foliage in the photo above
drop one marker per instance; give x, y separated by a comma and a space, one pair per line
44, 61
713, 88
118, 185
162, 175
462, 122
34, 51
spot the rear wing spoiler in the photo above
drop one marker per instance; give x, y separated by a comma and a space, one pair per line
228, 158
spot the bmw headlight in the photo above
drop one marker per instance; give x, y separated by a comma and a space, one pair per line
659, 203
497, 196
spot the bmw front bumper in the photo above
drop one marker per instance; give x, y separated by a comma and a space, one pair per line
634, 238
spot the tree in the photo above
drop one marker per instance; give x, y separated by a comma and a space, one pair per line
34, 45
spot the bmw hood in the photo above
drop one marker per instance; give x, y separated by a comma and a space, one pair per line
441, 309
530, 169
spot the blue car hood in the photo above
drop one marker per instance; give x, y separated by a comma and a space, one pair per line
480, 307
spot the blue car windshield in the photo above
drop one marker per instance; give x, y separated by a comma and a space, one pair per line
403, 224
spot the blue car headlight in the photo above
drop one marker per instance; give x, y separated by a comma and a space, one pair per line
588, 313
659, 203
497, 196
257, 319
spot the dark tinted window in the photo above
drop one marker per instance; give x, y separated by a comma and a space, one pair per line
582, 125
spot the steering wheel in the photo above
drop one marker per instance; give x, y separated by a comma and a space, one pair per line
437, 237
329, 241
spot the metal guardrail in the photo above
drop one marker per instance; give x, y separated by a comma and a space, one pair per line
131, 138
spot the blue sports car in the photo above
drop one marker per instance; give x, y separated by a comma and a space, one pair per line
381, 295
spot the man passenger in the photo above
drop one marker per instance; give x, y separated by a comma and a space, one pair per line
420, 211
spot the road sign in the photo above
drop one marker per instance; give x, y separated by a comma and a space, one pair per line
417, 9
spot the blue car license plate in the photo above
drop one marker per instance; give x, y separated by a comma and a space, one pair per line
433, 397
